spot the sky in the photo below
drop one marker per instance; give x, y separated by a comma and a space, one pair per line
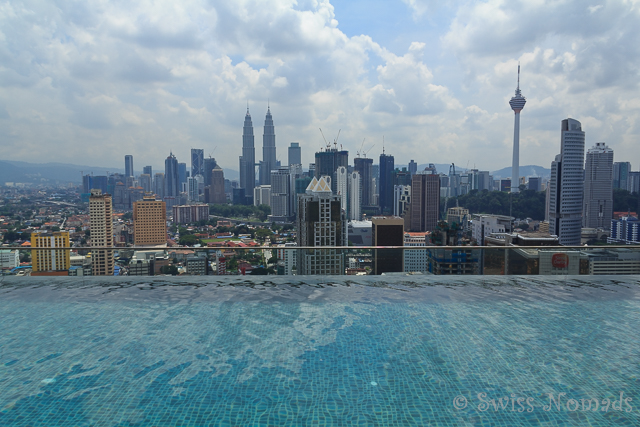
87, 82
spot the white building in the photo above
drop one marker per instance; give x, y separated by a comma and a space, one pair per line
566, 185
342, 186
360, 233
401, 199
484, 225
288, 258
9, 258
262, 195
415, 259
195, 183
355, 196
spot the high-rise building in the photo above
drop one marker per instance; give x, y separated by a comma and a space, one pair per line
145, 182
598, 187
268, 150
320, 222
128, 165
535, 183
182, 177
148, 170
355, 196
517, 104
621, 172
413, 167
363, 166
209, 164
171, 181
197, 161
101, 228
424, 210
248, 158
187, 214
328, 162
262, 195
625, 230
295, 154
150, 222
342, 186
53, 261
566, 185
387, 231
158, 185
385, 184
216, 190
401, 199
281, 209
193, 190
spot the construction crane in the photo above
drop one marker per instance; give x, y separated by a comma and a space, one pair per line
365, 153
327, 145
335, 141
361, 145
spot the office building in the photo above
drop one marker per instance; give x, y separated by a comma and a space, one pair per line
248, 158
150, 222
413, 167
364, 167
359, 233
268, 150
145, 182
182, 178
401, 199
216, 188
262, 195
128, 165
171, 180
328, 162
101, 228
295, 154
598, 187
566, 185
484, 225
158, 185
424, 210
194, 185
281, 208
320, 222
342, 186
9, 259
385, 184
208, 164
197, 162
415, 260
387, 231
621, 172
535, 183
148, 170
197, 265
354, 192
54, 261
517, 104
187, 214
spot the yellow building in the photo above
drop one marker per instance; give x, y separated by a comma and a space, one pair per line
50, 262
149, 222
101, 226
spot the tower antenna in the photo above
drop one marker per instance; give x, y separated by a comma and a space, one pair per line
382, 144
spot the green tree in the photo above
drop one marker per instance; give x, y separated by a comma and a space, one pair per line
188, 240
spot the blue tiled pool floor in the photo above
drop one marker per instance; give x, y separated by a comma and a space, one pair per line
120, 352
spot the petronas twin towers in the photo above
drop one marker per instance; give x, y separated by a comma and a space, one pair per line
248, 158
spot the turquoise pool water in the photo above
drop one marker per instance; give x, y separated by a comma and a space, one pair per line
244, 352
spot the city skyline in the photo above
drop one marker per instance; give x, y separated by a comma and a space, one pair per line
432, 78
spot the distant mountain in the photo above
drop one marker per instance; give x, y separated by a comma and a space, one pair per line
59, 173
529, 170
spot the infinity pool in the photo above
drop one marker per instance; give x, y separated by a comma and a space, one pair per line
372, 351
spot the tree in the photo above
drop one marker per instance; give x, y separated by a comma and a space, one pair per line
169, 269
263, 233
189, 240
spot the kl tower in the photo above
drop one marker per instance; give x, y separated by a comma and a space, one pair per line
517, 104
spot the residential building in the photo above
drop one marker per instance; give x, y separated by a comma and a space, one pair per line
320, 222
9, 259
288, 258
101, 226
197, 265
415, 260
186, 214
401, 199
598, 187
150, 222
54, 261
566, 185
625, 230
342, 186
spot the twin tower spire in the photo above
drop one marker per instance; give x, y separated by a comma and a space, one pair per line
248, 158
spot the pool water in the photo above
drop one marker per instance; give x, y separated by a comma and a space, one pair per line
330, 352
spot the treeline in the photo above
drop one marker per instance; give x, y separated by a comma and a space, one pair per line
526, 203
240, 211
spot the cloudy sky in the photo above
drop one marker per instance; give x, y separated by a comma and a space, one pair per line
87, 82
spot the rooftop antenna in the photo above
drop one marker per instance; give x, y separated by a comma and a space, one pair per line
382, 144
518, 75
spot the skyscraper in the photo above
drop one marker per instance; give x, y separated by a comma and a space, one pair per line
54, 261
295, 154
328, 162
424, 210
248, 158
128, 165
598, 187
216, 191
171, 181
517, 104
341, 186
197, 162
413, 167
385, 185
268, 150
566, 185
621, 172
101, 228
182, 178
209, 164
150, 222
364, 166
148, 170
158, 185
281, 209
320, 222
355, 196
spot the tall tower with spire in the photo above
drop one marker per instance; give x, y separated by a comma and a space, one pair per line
517, 104
248, 158
268, 149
